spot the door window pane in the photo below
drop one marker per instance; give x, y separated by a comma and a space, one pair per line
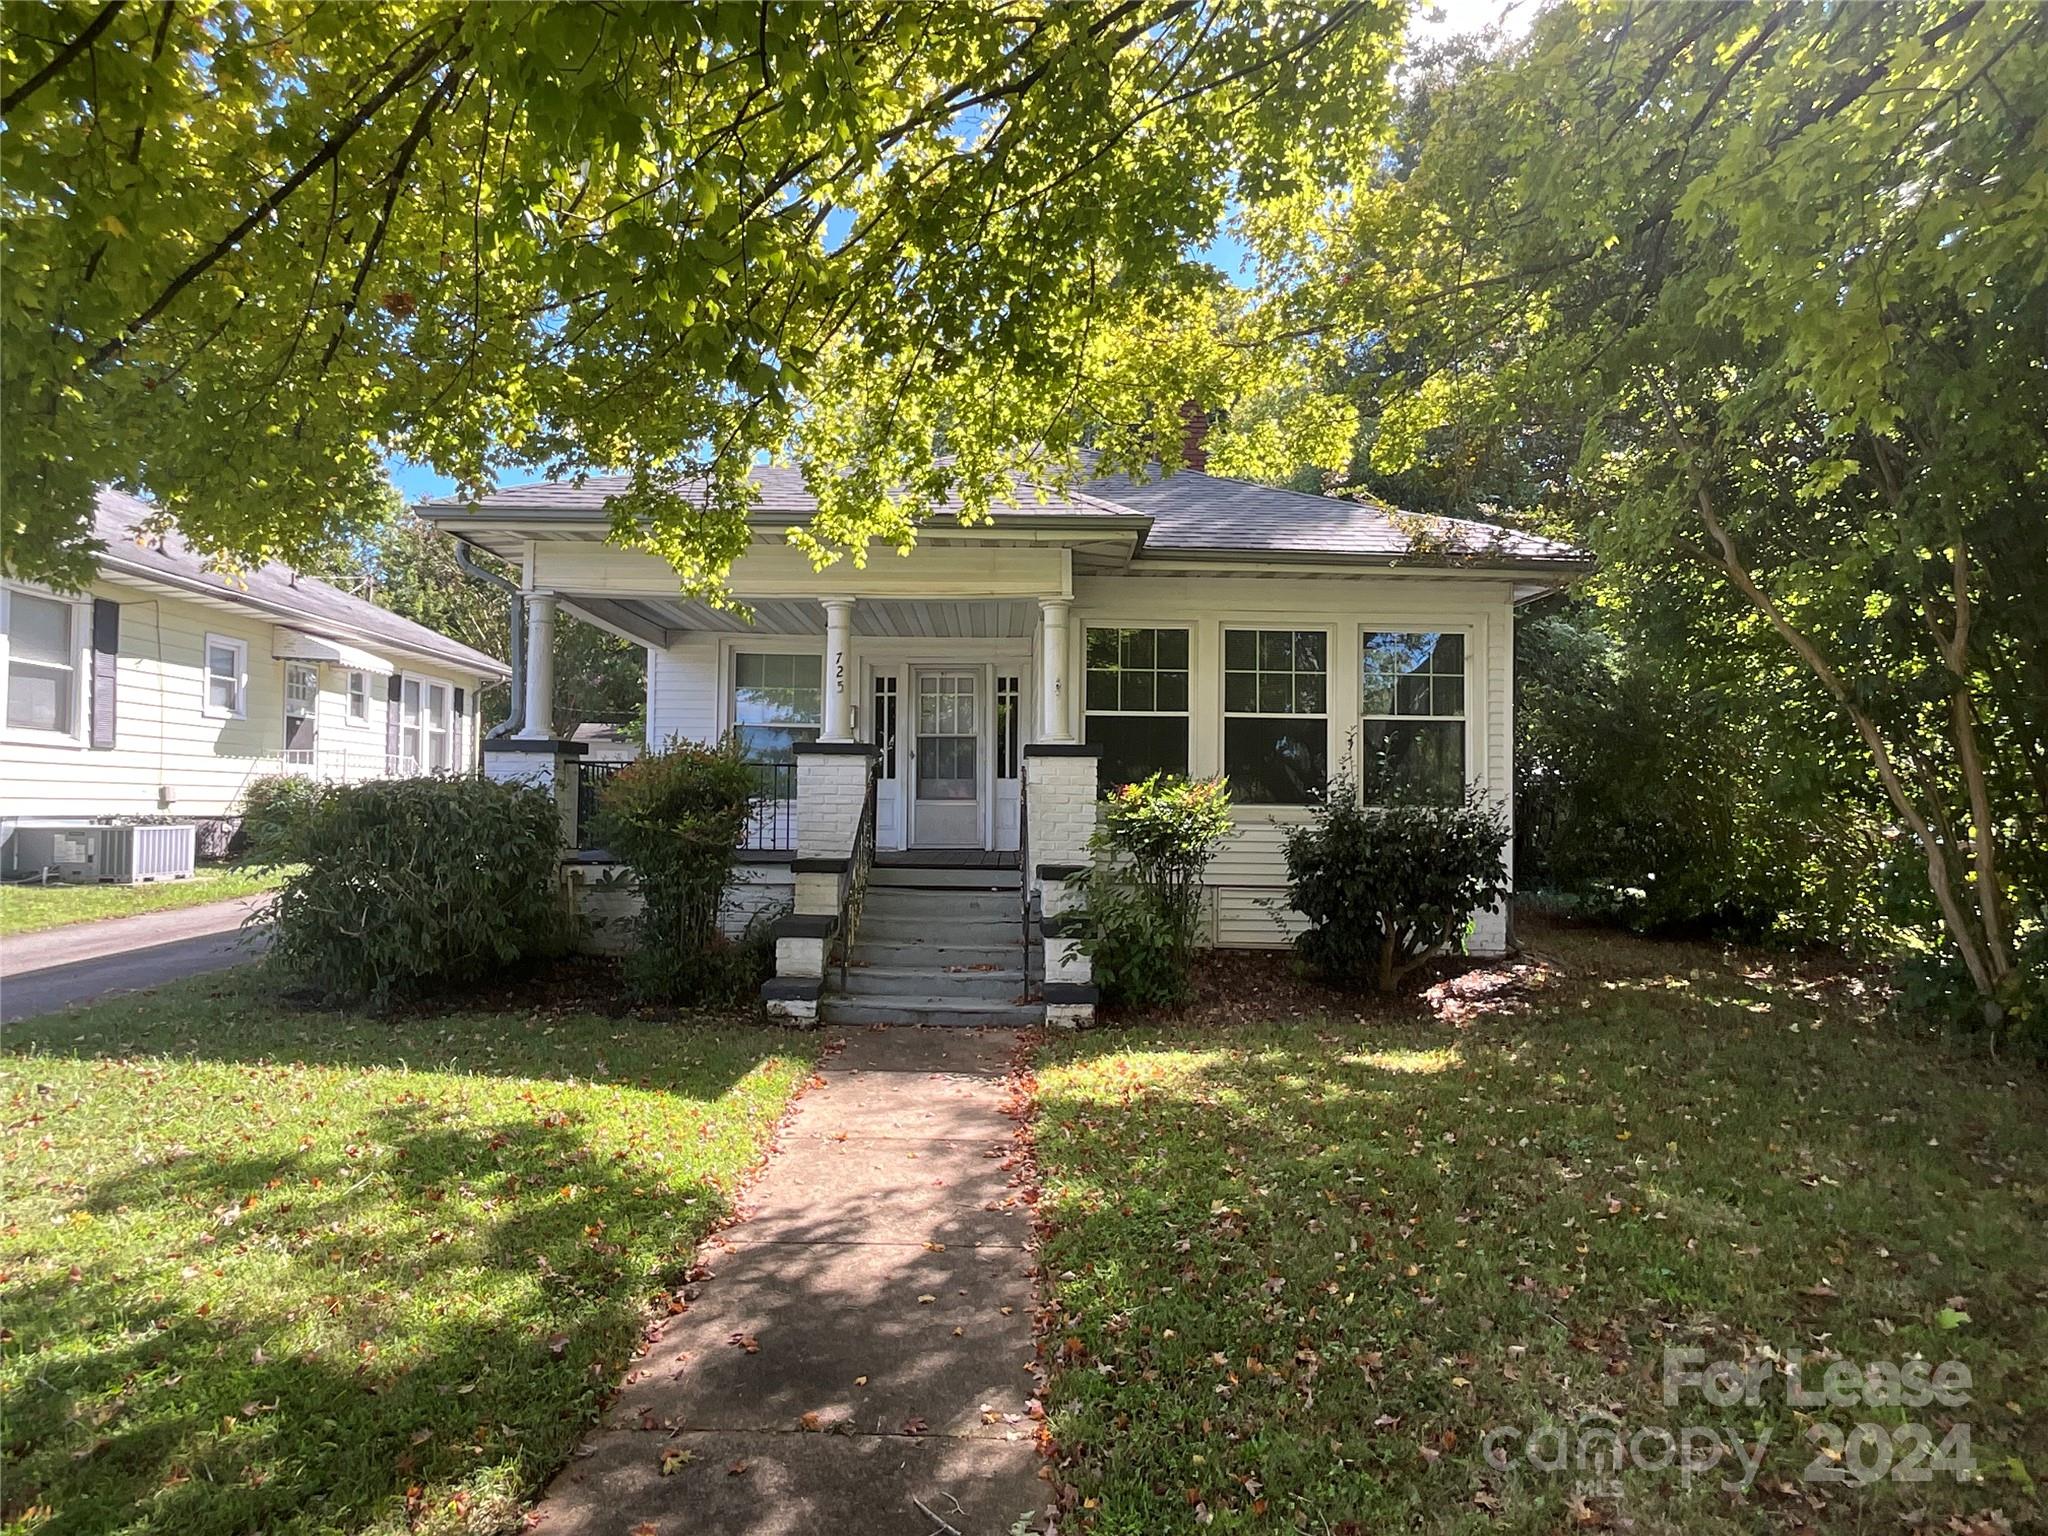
946, 758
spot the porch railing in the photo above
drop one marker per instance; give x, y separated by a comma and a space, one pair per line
591, 779
771, 825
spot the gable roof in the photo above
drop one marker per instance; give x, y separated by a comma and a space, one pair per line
1186, 513
273, 590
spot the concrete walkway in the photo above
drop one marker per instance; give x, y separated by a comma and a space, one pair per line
863, 1341
42, 972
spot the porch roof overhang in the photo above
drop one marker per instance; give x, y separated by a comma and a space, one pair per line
1100, 541
660, 622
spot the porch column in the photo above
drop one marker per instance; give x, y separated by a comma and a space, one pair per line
838, 723
540, 668
1055, 720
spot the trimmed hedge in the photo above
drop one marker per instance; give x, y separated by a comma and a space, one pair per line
415, 885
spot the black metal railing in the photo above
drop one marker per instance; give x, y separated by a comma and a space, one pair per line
857, 867
591, 779
773, 828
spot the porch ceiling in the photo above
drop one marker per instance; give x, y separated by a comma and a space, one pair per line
873, 618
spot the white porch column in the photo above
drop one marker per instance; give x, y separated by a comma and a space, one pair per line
1055, 720
838, 723
540, 668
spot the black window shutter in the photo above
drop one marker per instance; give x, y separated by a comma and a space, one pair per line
106, 655
391, 698
458, 703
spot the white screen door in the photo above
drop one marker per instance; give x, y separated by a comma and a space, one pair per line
946, 771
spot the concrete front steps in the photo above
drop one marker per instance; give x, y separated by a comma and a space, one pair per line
937, 946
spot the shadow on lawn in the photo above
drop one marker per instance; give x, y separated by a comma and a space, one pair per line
379, 1340
245, 1019
1591, 1153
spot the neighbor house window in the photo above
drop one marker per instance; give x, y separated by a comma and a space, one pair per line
1276, 715
440, 738
42, 662
411, 724
1137, 702
227, 677
1413, 709
778, 700
358, 698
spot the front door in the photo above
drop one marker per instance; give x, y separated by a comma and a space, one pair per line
301, 713
945, 810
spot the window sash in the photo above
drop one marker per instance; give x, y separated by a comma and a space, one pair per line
1276, 714
42, 663
1138, 700
227, 672
778, 688
437, 727
358, 697
1414, 735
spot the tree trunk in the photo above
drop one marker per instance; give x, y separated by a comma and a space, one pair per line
1943, 879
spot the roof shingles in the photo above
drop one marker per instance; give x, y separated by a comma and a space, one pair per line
1187, 513
279, 593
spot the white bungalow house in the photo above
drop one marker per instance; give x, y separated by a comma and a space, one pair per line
163, 689
991, 681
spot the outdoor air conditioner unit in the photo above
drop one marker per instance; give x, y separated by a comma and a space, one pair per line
93, 853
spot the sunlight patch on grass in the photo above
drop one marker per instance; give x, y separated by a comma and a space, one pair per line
312, 1272
1308, 1264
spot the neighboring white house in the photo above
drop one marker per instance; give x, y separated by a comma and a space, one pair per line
165, 687
1194, 623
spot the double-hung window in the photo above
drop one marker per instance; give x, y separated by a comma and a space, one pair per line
42, 662
1276, 715
1137, 702
227, 678
778, 700
1412, 710
440, 737
359, 698
411, 725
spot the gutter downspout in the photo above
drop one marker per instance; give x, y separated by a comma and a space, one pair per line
515, 716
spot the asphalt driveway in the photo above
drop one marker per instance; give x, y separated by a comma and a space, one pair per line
42, 972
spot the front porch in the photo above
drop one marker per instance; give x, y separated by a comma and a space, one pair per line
948, 695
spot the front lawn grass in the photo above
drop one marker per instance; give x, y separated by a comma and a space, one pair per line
32, 908
305, 1272
1300, 1267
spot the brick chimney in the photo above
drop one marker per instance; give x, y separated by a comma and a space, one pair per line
1194, 431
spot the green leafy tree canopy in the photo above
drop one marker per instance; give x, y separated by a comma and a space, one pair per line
913, 247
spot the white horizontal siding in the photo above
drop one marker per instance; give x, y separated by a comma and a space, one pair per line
685, 690
169, 757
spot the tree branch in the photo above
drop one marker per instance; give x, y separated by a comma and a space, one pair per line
61, 59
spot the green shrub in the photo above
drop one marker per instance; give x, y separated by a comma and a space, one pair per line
1935, 987
272, 809
414, 885
1384, 891
1142, 913
677, 819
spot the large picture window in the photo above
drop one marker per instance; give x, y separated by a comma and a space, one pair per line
778, 700
41, 662
1413, 709
1276, 715
1137, 702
